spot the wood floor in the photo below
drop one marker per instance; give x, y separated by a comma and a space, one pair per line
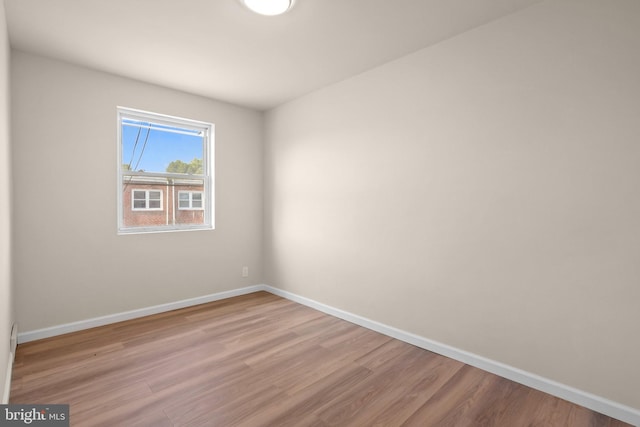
260, 360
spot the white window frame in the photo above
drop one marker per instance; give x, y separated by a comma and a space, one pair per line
207, 177
146, 200
191, 193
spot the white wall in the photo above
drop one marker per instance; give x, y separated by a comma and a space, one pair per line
6, 306
482, 193
69, 264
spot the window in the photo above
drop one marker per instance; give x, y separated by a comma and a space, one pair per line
190, 200
165, 179
146, 200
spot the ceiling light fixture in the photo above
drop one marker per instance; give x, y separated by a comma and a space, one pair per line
268, 7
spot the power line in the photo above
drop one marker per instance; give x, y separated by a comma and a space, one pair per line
143, 147
133, 153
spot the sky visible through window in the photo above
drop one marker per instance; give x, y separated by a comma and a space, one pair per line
151, 148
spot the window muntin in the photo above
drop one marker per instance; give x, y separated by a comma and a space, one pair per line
159, 159
190, 200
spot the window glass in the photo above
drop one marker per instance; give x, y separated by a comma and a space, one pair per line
165, 169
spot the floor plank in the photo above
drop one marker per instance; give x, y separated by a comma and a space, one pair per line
261, 360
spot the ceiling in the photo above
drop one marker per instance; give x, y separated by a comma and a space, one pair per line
219, 49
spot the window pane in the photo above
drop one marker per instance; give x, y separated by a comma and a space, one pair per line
196, 196
139, 204
184, 204
139, 195
184, 196
154, 204
155, 195
197, 203
152, 147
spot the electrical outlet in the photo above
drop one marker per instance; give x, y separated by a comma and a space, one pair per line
245, 271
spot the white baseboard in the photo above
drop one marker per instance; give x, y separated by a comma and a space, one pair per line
579, 397
7, 382
133, 314
12, 352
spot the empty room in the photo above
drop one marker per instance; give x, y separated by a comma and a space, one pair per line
320, 212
